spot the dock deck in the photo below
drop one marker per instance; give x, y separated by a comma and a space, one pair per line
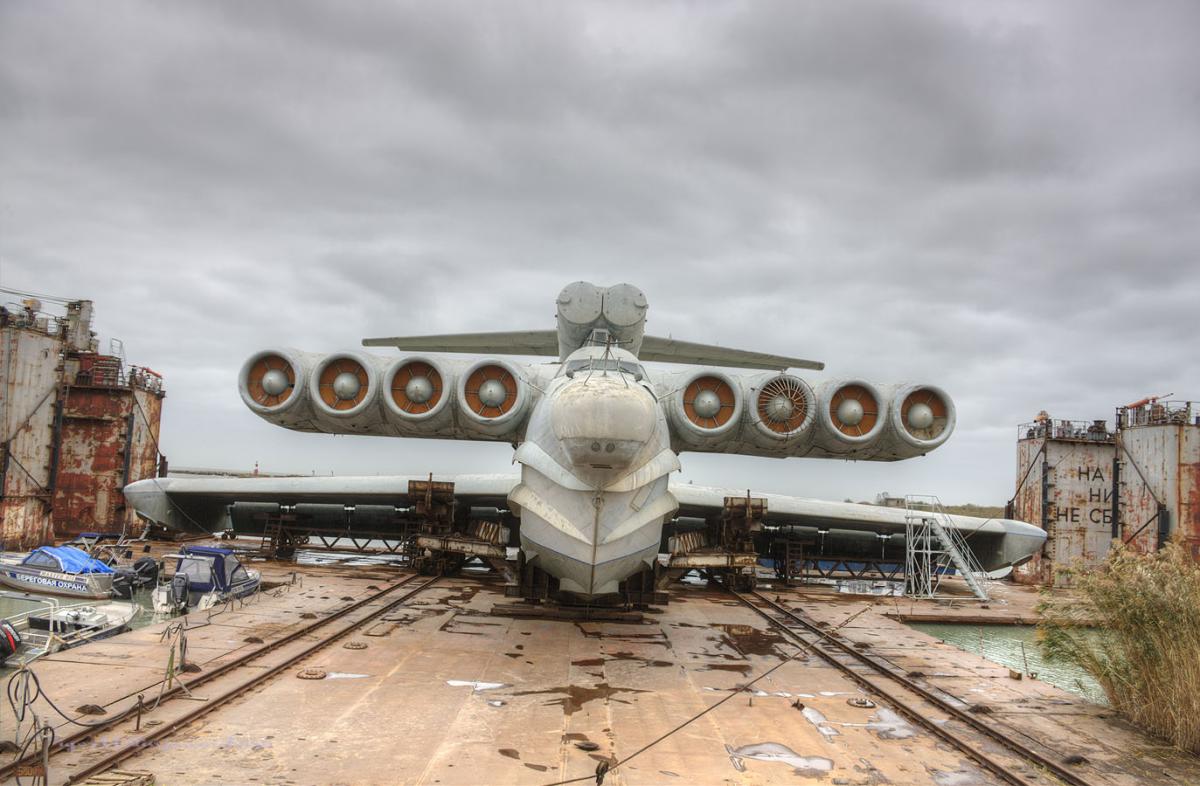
446, 693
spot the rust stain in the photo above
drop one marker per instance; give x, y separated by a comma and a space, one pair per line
575, 696
82, 425
100, 425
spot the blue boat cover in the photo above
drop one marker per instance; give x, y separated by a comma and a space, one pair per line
73, 560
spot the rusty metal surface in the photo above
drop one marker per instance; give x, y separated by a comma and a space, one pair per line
77, 426
1161, 448
29, 380
714, 559
460, 545
109, 439
1158, 447
1067, 491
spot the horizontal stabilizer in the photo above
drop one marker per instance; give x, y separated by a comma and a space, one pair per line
504, 342
671, 351
545, 342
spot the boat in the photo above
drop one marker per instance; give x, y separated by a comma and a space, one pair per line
60, 570
204, 576
52, 626
115, 551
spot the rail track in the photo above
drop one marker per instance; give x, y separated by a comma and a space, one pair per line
910, 698
149, 736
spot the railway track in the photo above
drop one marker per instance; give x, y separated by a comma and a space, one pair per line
915, 701
149, 736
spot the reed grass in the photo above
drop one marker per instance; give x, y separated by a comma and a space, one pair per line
1145, 648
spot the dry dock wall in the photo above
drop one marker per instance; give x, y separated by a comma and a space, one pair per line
75, 427
29, 381
1160, 483
1086, 486
1065, 471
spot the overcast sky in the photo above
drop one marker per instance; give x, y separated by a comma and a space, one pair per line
1001, 199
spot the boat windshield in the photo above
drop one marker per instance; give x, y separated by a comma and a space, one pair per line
605, 364
40, 560
233, 569
198, 571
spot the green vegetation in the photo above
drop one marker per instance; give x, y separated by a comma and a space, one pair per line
982, 511
1147, 654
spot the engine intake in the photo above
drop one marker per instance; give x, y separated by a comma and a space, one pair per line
343, 385
706, 408
852, 411
416, 389
923, 415
492, 394
784, 407
268, 381
710, 402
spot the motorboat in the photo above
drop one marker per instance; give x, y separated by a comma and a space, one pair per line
117, 552
60, 570
204, 576
52, 626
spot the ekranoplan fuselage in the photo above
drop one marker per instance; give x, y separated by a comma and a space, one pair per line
597, 434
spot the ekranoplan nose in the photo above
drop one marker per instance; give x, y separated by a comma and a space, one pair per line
603, 422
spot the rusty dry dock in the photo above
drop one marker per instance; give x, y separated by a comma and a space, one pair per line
445, 693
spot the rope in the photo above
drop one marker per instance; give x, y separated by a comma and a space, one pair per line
24, 688
48, 298
44, 735
598, 776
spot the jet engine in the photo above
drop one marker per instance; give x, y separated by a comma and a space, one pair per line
492, 397
707, 408
417, 395
922, 416
784, 409
273, 384
344, 389
852, 415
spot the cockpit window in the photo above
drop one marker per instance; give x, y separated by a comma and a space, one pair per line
605, 364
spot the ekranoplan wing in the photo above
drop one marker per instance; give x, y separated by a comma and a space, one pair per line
204, 504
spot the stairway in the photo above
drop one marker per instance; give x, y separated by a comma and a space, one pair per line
925, 517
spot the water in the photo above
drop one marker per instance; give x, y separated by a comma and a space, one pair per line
1002, 644
11, 605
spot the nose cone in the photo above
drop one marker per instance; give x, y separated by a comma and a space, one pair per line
603, 423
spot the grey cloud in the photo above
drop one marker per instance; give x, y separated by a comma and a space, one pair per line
999, 199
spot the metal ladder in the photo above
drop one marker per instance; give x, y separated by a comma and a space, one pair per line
932, 543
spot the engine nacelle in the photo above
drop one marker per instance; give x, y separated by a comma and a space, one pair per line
706, 409
492, 398
781, 410
273, 383
417, 395
852, 414
344, 389
921, 417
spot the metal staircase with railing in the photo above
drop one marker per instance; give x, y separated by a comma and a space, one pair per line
933, 545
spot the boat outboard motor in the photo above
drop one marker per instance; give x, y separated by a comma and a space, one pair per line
10, 640
179, 590
122, 585
145, 571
